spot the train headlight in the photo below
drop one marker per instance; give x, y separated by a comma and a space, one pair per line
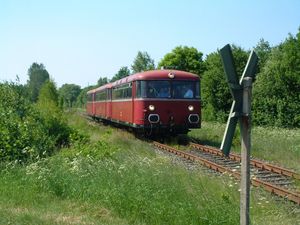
191, 108
151, 107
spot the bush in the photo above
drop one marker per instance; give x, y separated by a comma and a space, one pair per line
28, 131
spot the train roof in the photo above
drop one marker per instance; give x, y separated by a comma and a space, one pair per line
105, 86
151, 75
157, 75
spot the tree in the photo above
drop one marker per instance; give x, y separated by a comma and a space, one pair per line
69, 93
216, 96
48, 93
142, 62
82, 97
123, 72
279, 84
102, 81
183, 58
38, 75
263, 50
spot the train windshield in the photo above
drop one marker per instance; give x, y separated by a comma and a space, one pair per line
168, 89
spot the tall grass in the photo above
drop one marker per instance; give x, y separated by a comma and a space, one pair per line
109, 177
138, 189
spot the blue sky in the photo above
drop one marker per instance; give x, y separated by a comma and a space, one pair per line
78, 41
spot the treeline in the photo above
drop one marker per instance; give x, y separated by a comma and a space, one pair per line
276, 91
276, 99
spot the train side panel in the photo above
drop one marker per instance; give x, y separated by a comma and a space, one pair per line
89, 108
90, 104
122, 111
108, 110
100, 109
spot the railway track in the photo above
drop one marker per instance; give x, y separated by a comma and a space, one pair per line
272, 178
254, 162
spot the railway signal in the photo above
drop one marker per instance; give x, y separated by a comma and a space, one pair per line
240, 111
236, 90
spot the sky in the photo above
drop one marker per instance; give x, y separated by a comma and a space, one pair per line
80, 41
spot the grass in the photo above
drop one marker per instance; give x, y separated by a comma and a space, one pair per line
109, 177
276, 145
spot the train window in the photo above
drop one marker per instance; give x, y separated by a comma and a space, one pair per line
197, 93
141, 89
128, 92
108, 94
89, 97
183, 89
159, 89
101, 96
122, 92
168, 89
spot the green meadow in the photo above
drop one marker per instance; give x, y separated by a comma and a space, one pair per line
107, 176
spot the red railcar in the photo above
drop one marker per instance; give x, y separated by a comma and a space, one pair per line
152, 102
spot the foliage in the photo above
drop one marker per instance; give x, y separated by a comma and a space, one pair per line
68, 94
142, 62
263, 50
123, 72
37, 76
22, 136
276, 99
82, 97
102, 81
184, 58
48, 93
216, 96
52, 117
27, 131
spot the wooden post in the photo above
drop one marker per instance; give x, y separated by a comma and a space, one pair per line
245, 125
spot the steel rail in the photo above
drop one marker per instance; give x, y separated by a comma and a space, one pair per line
254, 162
292, 196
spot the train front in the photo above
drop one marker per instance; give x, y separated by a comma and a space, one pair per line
167, 102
